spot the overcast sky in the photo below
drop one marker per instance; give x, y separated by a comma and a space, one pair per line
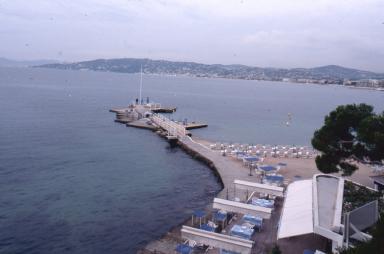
265, 33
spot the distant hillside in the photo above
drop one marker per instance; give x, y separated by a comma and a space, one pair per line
4, 62
328, 74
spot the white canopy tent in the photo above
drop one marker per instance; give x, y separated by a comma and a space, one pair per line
259, 188
297, 216
217, 240
314, 206
237, 207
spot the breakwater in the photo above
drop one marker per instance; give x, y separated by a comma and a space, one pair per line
226, 169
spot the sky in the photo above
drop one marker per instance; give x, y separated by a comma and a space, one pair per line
264, 33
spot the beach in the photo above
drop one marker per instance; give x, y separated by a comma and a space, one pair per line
305, 168
294, 169
65, 159
251, 174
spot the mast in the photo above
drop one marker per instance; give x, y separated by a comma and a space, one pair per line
141, 82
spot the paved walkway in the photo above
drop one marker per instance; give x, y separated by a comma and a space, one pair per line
228, 169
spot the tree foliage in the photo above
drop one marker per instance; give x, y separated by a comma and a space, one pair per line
276, 250
350, 133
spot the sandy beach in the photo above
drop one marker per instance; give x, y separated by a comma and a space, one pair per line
230, 168
299, 168
304, 168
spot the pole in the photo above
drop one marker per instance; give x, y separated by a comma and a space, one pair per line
234, 190
141, 83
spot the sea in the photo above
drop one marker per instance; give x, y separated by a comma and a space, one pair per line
74, 181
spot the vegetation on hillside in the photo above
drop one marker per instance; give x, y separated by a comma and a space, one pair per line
358, 195
350, 133
326, 74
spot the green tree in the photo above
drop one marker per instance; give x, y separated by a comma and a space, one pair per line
276, 250
350, 133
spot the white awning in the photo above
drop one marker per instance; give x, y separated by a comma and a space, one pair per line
297, 214
259, 187
237, 207
217, 240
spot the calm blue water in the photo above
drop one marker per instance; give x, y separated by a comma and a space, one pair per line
73, 181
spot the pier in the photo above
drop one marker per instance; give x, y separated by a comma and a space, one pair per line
146, 116
228, 170
141, 116
164, 110
241, 184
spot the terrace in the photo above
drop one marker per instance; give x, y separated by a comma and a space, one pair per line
248, 224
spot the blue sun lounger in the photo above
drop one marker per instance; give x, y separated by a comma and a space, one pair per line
241, 232
254, 220
183, 249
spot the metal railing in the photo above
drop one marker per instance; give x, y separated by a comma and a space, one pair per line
173, 128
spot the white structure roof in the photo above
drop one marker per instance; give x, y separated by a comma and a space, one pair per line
297, 215
378, 179
328, 201
237, 207
314, 206
260, 188
217, 240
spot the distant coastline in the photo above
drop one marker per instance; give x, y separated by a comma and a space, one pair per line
366, 88
324, 75
315, 82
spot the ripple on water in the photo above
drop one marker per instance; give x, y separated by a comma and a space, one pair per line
81, 183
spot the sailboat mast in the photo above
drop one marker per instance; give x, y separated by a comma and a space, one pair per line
141, 82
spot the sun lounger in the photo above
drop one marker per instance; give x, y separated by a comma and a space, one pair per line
263, 202
183, 249
207, 227
212, 224
273, 179
241, 232
257, 222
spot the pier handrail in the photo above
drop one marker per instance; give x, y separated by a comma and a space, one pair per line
173, 128
193, 141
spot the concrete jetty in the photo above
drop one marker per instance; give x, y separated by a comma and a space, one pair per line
142, 125
226, 168
164, 110
231, 173
190, 126
136, 112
